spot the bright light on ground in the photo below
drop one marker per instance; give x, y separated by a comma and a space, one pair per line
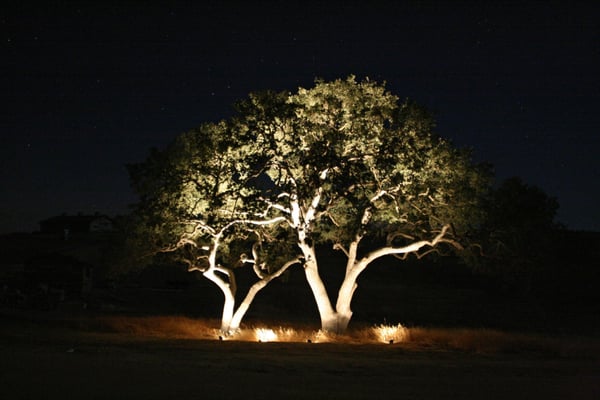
323, 337
390, 333
477, 340
265, 335
181, 327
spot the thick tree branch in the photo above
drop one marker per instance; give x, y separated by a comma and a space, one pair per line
256, 287
231, 282
310, 213
411, 248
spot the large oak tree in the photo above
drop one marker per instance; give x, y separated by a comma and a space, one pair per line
345, 163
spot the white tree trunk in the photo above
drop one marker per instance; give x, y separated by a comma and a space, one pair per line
344, 300
326, 312
332, 320
239, 314
227, 316
229, 300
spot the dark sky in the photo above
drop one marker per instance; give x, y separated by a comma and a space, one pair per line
87, 89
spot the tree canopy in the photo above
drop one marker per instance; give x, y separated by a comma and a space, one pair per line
345, 163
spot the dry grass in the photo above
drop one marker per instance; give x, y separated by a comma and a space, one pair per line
162, 326
484, 341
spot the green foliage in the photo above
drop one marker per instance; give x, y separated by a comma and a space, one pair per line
363, 149
348, 148
194, 194
187, 192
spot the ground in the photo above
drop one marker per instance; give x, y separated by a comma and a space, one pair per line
76, 359
467, 341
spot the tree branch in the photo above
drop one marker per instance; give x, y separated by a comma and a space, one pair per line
312, 209
276, 206
257, 286
411, 248
230, 276
339, 246
199, 225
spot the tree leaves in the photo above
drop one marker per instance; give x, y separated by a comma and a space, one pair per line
343, 147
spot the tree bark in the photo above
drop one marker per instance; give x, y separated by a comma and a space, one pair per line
228, 303
311, 271
332, 320
344, 300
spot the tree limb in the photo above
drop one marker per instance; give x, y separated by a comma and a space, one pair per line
339, 246
411, 248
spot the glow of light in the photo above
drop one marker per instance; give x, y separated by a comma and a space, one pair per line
322, 337
390, 333
265, 335
287, 335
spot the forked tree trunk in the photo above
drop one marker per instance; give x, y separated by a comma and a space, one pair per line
334, 320
253, 291
231, 318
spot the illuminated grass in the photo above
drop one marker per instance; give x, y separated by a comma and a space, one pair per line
280, 334
265, 335
469, 340
390, 333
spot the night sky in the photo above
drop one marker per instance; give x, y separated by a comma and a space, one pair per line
88, 89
